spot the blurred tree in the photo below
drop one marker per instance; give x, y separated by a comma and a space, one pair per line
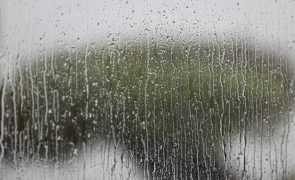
173, 106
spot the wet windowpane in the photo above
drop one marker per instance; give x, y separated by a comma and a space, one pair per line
147, 89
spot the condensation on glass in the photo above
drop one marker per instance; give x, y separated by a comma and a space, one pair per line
147, 90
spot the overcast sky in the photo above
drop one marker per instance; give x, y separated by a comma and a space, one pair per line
25, 22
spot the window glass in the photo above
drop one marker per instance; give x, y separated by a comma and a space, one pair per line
113, 89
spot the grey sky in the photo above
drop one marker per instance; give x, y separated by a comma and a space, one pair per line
26, 21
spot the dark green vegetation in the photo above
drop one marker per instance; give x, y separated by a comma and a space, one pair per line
173, 106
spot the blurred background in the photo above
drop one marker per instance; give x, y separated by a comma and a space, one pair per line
29, 27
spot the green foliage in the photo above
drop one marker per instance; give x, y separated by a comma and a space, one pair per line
173, 106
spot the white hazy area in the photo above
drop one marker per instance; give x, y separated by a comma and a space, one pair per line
28, 26
101, 160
